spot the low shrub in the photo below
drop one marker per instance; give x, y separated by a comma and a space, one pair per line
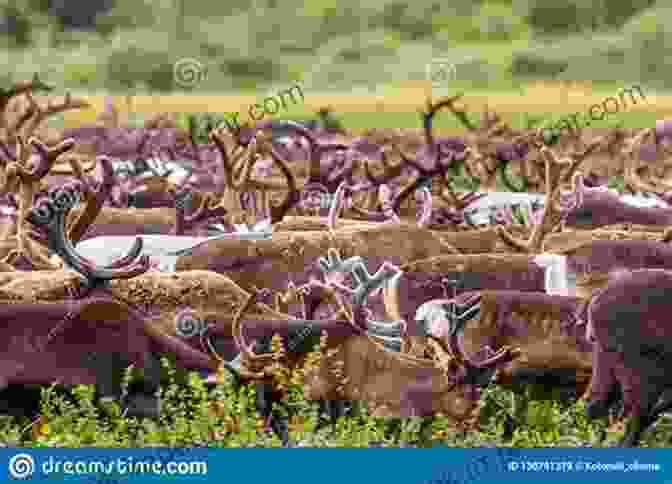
224, 416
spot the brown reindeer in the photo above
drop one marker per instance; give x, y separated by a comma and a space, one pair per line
190, 315
631, 353
364, 362
546, 330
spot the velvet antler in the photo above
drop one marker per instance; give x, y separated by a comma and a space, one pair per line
50, 216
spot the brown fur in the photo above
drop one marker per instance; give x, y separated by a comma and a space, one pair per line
159, 297
545, 341
570, 242
290, 251
381, 378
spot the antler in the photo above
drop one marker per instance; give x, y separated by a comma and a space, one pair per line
43, 112
229, 158
336, 205
632, 164
94, 196
391, 171
459, 201
242, 182
193, 134
426, 212
553, 213
472, 367
293, 196
424, 177
459, 113
367, 284
50, 216
209, 207
458, 313
6, 95
26, 181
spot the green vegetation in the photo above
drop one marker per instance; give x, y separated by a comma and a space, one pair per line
341, 44
224, 417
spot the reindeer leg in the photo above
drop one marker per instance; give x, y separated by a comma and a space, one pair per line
332, 410
425, 432
142, 400
638, 424
635, 427
509, 428
109, 370
600, 408
664, 405
641, 396
518, 414
393, 428
324, 408
265, 398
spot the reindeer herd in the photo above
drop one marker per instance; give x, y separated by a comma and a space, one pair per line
359, 260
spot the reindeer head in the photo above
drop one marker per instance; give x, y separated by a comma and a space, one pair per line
366, 285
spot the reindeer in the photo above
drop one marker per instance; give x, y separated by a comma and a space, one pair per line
437, 159
187, 315
546, 330
25, 248
366, 363
630, 356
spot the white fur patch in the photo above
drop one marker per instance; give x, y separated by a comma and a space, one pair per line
163, 250
433, 315
643, 201
493, 200
555, 279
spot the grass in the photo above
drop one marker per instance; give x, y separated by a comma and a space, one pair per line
224, 416
397, 106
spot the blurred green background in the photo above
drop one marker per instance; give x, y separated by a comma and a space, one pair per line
129, 47
334, 44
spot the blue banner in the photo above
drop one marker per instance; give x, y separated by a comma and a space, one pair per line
337, 466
